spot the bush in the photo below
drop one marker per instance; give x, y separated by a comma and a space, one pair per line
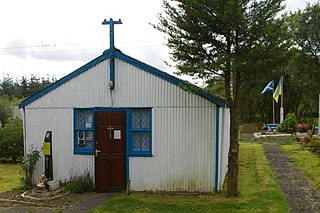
313, 144
79, 184
11, 141
281, 128
302, 127
290, 123
28, 165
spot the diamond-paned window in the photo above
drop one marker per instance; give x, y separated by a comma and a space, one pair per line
145, 119
84, 119
83, 131
145, 141
141, 133
80, 119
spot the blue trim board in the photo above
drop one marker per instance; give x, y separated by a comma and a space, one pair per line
24, 131
216, 182
112, 72
118, 54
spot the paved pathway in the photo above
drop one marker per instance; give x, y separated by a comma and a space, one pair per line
88, 201
299, 192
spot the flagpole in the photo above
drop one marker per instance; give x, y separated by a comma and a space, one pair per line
273, 111
273, 119
281, 107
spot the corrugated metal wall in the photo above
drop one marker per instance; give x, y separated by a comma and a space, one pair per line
183, 127
224, 144
183, 152
60, 122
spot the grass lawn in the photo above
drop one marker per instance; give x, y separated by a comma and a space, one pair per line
259, 192
308, 162
9, 176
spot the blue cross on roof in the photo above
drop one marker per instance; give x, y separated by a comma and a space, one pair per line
111, 23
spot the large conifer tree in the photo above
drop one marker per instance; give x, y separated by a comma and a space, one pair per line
210, 38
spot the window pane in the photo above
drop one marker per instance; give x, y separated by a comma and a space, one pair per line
136, 118
136, 141
89, 139
81, 118
145, 141
145, 118
81, 139
88, 119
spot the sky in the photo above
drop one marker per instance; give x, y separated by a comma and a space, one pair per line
54, 38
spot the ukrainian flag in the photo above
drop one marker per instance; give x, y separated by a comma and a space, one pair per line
278, 91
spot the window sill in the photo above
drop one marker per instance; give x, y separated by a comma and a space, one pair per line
83, 152
140, 155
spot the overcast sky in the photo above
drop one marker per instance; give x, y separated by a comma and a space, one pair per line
56, 37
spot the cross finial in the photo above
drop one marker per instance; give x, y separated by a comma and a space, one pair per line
111, 23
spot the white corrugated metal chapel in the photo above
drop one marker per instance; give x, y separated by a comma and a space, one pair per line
123, 121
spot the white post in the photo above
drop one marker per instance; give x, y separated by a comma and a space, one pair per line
273, 117
281, 108
281, 115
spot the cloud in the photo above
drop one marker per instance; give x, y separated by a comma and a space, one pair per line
15, 47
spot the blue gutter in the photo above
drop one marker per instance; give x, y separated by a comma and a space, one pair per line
216, 180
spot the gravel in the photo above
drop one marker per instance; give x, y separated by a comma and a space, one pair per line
300, 193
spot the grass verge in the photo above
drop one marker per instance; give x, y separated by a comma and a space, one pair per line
306, 161
9, 176
259, 192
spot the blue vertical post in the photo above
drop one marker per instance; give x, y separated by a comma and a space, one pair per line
111, 23
111, 34
216, 182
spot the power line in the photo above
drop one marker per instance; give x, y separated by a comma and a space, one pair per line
73, 50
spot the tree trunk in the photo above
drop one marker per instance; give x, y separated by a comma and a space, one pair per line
233, 164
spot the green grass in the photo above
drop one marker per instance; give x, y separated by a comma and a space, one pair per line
9, 177
259, 192
306, 161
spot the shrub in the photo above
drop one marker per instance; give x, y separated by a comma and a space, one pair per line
302, 127
79, 184
290, 123
309, 142
11, 141
28, 164
281, 128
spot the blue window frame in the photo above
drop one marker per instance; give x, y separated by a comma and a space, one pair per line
140, 132
83, 131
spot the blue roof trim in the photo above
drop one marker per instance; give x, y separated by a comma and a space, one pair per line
118, 54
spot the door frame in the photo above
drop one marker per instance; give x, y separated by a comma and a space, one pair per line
126, 110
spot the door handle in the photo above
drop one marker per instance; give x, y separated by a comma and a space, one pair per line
97, 151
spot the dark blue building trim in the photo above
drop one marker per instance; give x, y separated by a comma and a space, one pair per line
216, 182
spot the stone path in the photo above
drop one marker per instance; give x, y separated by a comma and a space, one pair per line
299, 192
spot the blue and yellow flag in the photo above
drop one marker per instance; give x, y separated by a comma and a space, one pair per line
278, 91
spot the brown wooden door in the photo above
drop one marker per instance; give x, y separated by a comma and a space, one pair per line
110, 160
